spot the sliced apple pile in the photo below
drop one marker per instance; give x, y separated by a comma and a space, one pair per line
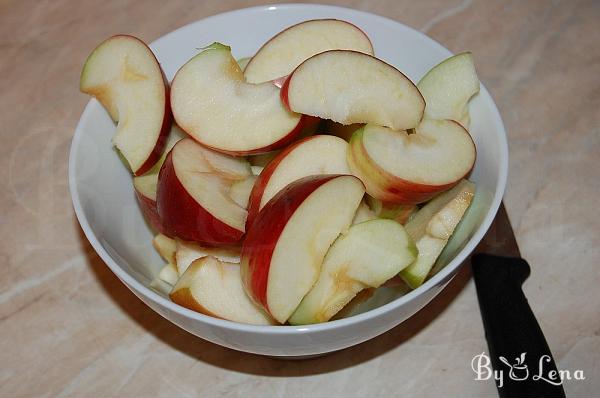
285, 51
124, 75
285, 246
431, 228
352, 87
448, 87
367, 255
408, 168
319, 154
259, 199
212, 102
193, 195
214, 288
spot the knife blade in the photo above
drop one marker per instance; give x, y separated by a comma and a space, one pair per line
519, 353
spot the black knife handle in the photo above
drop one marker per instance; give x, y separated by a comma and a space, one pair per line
511, 330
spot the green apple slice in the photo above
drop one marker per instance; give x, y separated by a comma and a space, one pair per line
448, 87
431, 228
465, 228
367, 255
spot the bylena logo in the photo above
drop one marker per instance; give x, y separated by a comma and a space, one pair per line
519, 371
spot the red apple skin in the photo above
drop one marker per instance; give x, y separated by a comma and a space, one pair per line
263, 179
185, 218
395, 189
150, 212
279, 81
284, 91
264, 233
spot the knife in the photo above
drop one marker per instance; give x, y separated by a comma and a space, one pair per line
519, 353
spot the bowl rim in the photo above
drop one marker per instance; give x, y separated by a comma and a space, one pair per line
149, 294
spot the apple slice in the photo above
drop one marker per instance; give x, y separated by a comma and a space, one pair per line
367, 255
448, 87
256, 170
169, 274
240, 191
243, 62
212, 102
188, 252
193, 197
465, 229
319, 154
289, 48
431, 228
392, 211
145, 185
363, 213
263, 159
161, 286
166, 247
285, 246
405, 168
215, 288
351, 87
124, 75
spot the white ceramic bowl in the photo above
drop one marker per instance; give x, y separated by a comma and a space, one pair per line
108, 213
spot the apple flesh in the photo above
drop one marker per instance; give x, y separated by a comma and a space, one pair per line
285, 246
212, 102
366, 256
193, 197
240, 191
392, 211
123, 74
166, 247
285, 51
145, 185
431, 228
243, 62
168, 274
465, 228
187, 252
319, 154
352, 87
404, 168
448, 87
363, 213
214, 288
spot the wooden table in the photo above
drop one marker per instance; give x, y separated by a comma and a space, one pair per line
70, 328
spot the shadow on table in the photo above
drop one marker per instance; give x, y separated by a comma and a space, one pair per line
237, 361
